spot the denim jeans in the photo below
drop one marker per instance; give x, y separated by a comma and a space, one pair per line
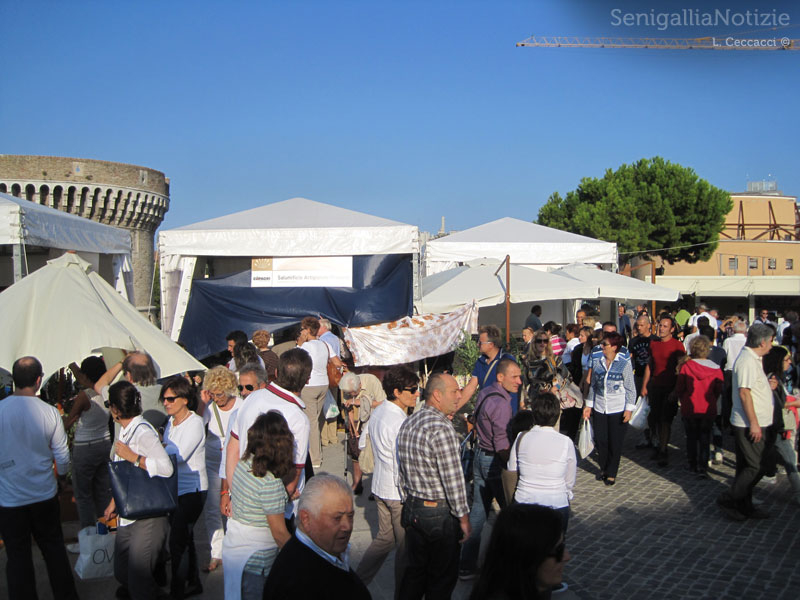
90, 480
432, 536
486, 485
181, 542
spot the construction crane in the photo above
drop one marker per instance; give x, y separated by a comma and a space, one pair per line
653, 43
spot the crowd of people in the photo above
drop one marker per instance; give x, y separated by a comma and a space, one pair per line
243, 442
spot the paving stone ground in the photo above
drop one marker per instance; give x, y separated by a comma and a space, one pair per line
656, 534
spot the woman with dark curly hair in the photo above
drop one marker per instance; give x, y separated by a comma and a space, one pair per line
526, 555
256, 528
185, 437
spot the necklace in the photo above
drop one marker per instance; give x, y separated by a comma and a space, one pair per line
186, 416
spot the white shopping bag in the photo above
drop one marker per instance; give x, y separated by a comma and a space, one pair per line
639, 415
329, 408
585, 439
97, 554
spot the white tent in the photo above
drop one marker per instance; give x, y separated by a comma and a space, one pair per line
451, 289
64, 312
292, 228
24, 223
528, 244
614, 285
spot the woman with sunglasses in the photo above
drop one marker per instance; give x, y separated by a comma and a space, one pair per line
544, 370
221, 402
184, 437
526, 555
139, 542
611, 399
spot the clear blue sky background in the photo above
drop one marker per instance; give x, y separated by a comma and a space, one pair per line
408, 110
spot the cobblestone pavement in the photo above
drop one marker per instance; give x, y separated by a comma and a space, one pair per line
656, 534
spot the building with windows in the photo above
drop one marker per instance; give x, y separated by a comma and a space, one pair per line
757, 261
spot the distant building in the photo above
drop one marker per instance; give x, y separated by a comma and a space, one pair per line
757, 261
127, 196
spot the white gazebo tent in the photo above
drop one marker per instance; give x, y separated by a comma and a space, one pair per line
528, 244
25, 225
292, 228
64, 311
616, 286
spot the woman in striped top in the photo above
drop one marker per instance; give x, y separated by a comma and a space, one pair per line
257, 529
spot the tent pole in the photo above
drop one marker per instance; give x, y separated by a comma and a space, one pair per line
17, 260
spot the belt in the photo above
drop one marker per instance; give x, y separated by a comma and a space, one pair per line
485, 451
426, 503
101, 441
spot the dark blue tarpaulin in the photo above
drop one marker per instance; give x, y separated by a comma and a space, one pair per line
382, 291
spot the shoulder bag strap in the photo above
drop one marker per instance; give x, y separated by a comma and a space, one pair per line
284, 395
491, 366
219, 422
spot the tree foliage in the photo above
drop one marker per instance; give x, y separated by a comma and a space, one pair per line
644, 207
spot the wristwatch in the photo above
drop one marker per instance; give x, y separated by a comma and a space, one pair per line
138, 460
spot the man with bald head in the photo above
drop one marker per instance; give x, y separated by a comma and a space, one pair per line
315, 562
435, 511
32, 437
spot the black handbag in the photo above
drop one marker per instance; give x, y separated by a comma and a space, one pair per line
139, 496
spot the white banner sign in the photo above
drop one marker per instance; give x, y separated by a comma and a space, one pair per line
302, 271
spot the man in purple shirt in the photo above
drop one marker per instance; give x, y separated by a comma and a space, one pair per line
492, 416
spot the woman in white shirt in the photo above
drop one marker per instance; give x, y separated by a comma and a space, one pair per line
139, 542
221, 401
184, 437
612, 398
544, 460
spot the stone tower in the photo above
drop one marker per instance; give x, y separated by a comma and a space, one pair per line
126, 196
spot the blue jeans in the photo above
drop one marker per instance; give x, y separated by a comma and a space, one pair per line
486, 485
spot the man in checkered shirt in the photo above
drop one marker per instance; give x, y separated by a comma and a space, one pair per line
435, 512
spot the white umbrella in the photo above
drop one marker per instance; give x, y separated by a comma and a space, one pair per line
63, 312
480, 280
614, 285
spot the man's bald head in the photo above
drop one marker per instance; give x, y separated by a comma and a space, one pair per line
26, 373
138, 367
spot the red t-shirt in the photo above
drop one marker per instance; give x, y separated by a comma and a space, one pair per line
664, 362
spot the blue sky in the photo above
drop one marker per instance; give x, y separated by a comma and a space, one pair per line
407, 110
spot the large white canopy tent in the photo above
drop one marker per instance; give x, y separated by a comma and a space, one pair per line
528, 244
25, 224
480, 280
616, 286
292, 228
64, 311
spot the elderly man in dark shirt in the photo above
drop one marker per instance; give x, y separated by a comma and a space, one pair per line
492, 416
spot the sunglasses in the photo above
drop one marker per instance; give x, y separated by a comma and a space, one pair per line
412, 389
170, 399
247, 387
558, 552
542, 341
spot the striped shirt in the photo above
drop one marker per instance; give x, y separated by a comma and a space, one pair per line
252, 499
428, 460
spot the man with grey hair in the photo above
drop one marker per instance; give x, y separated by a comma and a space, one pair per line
435, 511
327, 336
252, 377
751, 415
138, 368
315, 562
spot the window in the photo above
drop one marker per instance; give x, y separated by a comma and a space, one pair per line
752, 263
733, 263
772, 264
789, 264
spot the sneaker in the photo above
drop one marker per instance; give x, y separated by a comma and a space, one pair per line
467, 574
757, 501
769, 479
74, 548
717, 460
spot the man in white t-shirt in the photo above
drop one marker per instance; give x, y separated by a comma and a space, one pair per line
282, 395
327, 336
32, 436
751, 415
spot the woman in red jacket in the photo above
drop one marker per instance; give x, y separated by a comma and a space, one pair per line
699, 384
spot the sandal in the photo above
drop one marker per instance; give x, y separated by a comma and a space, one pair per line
215, 564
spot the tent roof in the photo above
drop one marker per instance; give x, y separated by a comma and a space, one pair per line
51, 228
614, 285
526, 243
295, 227
88, 315
451, 289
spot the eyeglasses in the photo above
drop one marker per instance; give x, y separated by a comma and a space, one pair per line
542, 341
247, 387
481, 342
218, 394
170, 399
412, 389
558, 552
